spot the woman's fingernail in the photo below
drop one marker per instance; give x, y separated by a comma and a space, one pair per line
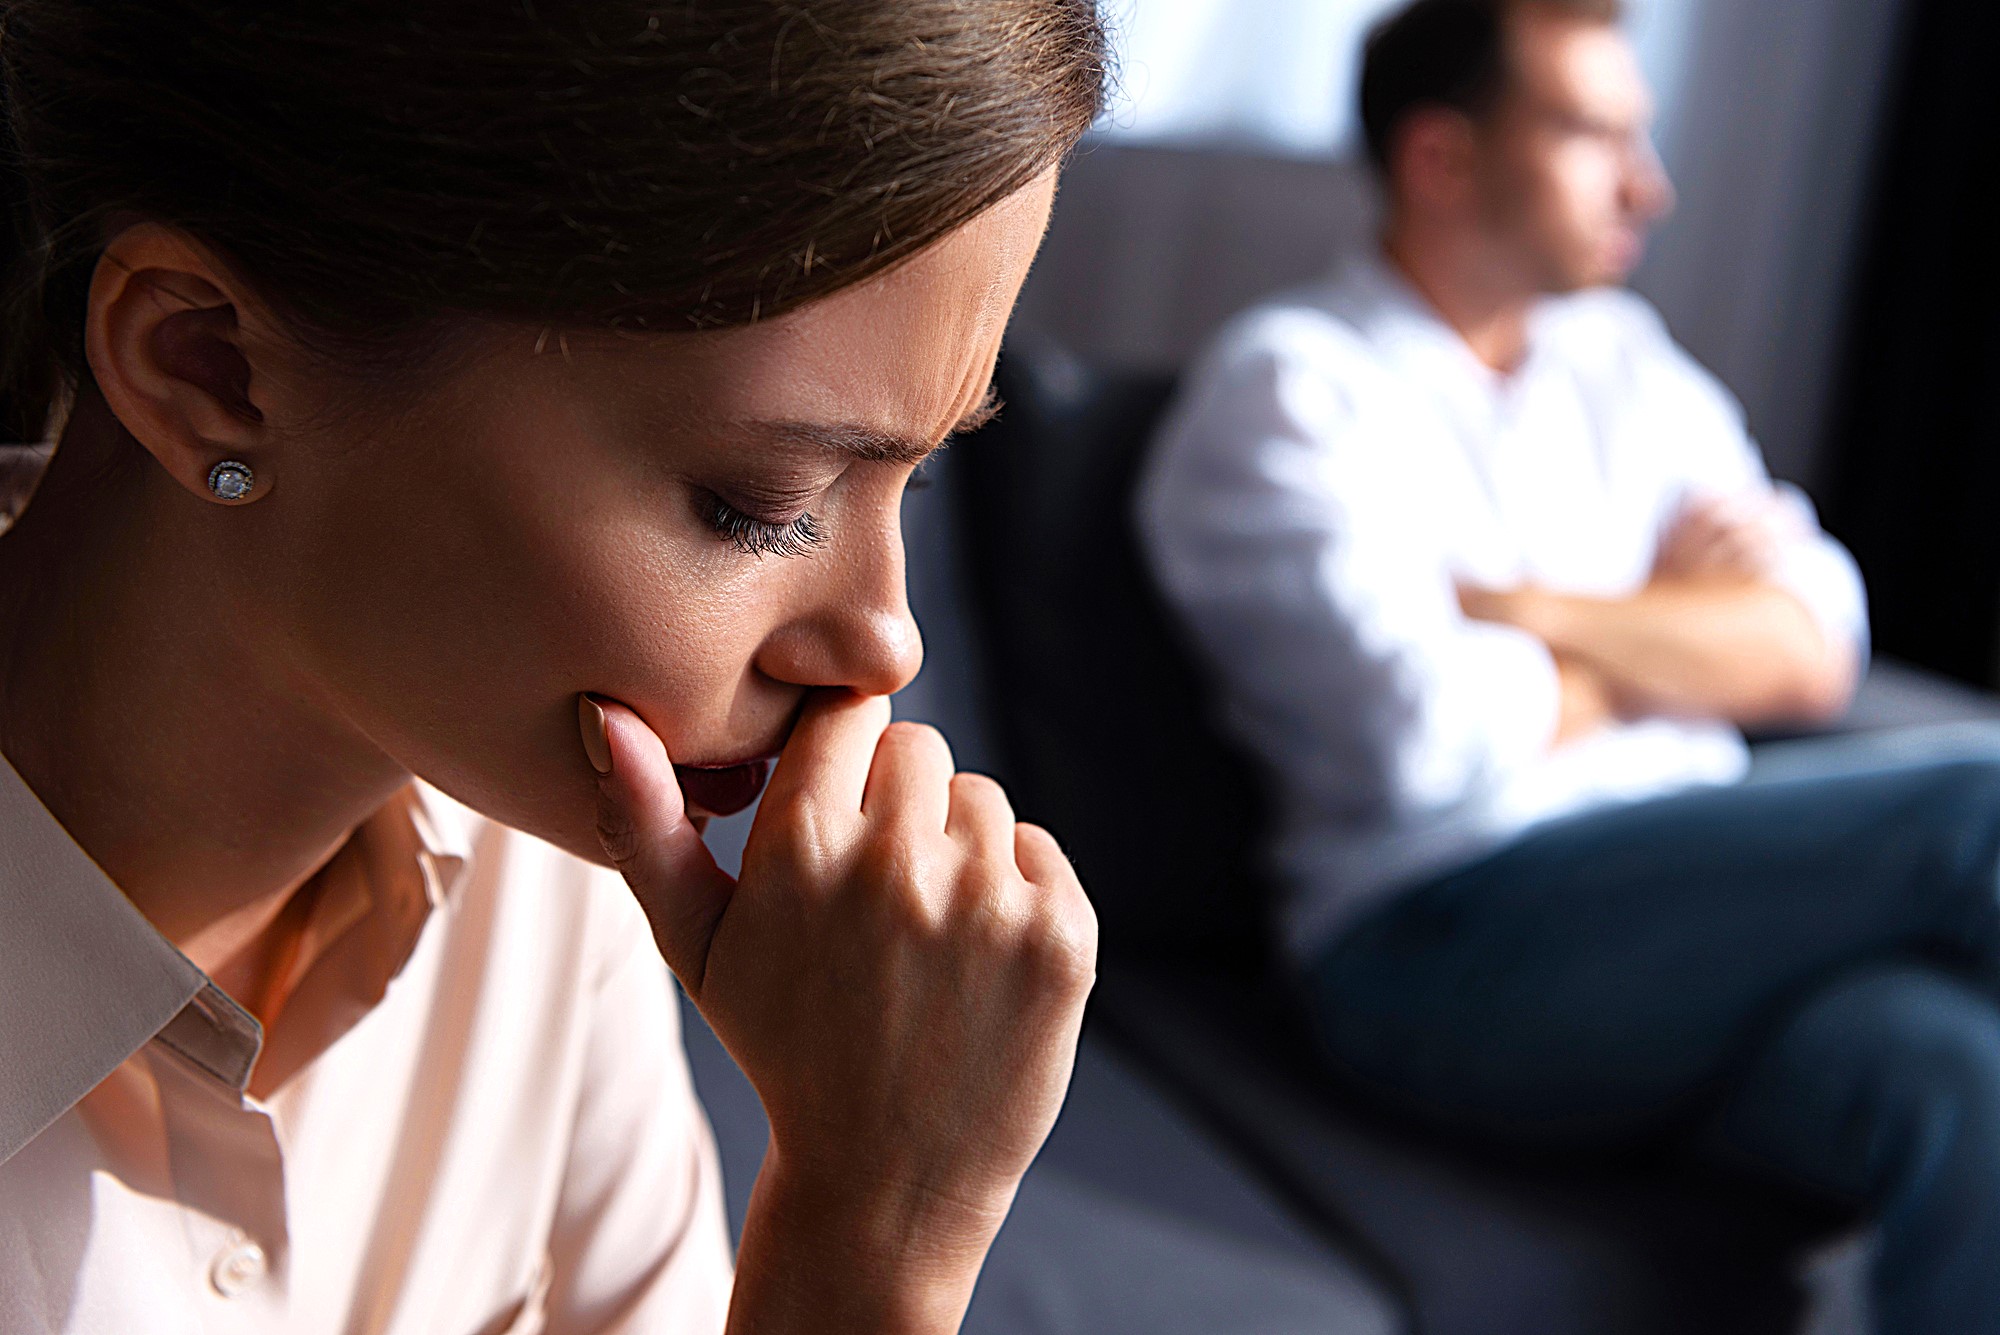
596, 739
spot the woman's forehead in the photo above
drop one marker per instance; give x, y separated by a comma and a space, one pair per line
905, 357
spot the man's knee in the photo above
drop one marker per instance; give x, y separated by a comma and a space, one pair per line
1959, 805
1877, 1083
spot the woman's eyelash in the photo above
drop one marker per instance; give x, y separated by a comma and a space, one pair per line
757, 537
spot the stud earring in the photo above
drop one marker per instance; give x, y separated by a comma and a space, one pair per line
231, 480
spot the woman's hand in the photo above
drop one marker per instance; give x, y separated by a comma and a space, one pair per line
900, 971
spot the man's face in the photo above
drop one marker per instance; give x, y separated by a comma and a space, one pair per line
1567, 177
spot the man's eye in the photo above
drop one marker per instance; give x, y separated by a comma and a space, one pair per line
757, 537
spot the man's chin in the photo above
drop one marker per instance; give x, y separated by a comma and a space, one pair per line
1621, 263
1608, 266
1569, 285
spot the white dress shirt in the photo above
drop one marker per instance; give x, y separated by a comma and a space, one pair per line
472, 1116
1336, 464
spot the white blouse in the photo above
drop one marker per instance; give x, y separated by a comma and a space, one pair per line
476, 1116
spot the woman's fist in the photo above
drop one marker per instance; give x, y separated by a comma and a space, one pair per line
900, 970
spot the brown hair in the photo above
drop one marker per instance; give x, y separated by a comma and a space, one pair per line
379, 166
1445, 53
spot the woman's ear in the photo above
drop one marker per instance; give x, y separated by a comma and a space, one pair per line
169, 339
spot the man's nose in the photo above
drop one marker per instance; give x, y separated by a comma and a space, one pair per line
1649, 191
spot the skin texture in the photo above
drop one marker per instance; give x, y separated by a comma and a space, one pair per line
1553, 192
426, 578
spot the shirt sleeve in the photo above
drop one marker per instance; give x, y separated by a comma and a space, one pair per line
1297, 539
1715, 455
640, 1243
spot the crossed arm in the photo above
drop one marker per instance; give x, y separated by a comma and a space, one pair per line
1709, 636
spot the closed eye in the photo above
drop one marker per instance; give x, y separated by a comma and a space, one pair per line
759, 537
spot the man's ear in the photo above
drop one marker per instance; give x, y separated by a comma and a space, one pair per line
1433, 159
169, 338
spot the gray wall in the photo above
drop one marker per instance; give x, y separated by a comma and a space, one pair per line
1772, 150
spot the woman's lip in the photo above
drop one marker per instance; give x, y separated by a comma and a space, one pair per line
722, 790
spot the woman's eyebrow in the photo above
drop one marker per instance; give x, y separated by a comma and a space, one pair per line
871, 444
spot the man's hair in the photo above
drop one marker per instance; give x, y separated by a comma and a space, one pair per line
1445, 53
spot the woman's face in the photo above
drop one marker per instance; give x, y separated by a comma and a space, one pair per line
703, 526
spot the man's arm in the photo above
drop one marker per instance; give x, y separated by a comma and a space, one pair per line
1723, 646
1713, 635
1298, 538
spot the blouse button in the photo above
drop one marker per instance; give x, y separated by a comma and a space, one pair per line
237, 1267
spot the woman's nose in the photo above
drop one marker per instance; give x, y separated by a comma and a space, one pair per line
860, 636
877, 651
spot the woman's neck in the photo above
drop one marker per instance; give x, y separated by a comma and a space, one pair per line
167, 731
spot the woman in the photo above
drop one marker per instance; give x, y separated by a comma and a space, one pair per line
510, 397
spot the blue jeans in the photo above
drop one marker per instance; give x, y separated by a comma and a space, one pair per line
1801, 975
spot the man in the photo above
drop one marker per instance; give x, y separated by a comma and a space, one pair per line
1491, 576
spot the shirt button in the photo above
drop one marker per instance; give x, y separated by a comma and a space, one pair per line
237, 1267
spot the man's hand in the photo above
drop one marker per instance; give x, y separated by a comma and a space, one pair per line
1587, 704
1588, 701
900, 971
1724, 537
1515, 607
